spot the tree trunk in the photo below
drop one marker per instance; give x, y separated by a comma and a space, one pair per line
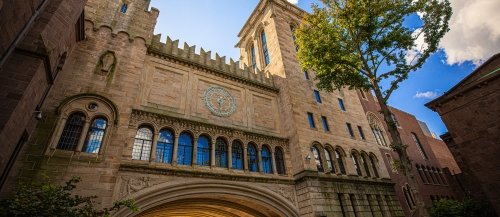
400, 148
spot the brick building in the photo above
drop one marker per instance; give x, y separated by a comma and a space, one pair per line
431, 164
35, 39
471, 112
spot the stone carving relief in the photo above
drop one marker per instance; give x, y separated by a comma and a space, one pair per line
106, 64
284, 191
219, 101
129, 185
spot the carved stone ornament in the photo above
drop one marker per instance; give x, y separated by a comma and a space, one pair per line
130, 185
219, 101
286, 192
106, 63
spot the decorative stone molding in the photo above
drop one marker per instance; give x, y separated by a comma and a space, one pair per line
285, 191
129, 185
178, 124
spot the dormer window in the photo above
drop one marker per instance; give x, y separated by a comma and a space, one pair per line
123, 8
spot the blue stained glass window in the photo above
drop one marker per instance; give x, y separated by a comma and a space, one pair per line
71, 132
318, 97
341, 104
311, 120
237, 155
265, 51
280, 161
95, 136
184, 154
253, 161
267, 160
203, 151
220, 153
123, 8
165, 146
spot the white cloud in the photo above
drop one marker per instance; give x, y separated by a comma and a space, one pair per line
414, 53
293, 1
474, 31
426, 95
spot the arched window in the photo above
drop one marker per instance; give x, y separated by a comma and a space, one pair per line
267, 160
419, 145
185, 149
373, 161
317, 158
420, 173
203, 151
237, 155
409, 196
142, 144
95, 135
377, 129
340, 162
429, 172
329, 163
365, 165
356, 163
265, 51
165, 146
280, 161
72, 132
253, 161
220, 153
123, 8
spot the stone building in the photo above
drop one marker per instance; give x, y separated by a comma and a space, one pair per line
186, 133
432, 165
35, 39
471, 112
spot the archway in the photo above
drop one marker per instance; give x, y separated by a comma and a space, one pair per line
210, 199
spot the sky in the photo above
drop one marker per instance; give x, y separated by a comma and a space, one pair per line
474, 36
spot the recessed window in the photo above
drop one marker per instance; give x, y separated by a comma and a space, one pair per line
395, 120
220, 153
142, 144
253, 161
306, 74
123, 8
265, 51
317, 96
361, 133
317, 158
419, 145
165, 146
356, 164
349, 129
253, 59
267, 165
280, 161
292, 29
325, 124
71, 132
341, 104
311, 120
362, 94
185, 149
95, 136
237, 155
203, 151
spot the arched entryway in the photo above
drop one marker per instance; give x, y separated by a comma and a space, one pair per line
210, 199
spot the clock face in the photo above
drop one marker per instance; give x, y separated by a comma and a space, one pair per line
219, 101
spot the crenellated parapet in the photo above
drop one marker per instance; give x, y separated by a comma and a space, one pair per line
232, 70
132, 17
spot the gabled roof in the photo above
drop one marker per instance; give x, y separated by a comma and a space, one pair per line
481, 74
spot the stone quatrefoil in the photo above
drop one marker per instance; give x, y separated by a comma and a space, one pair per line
219, 101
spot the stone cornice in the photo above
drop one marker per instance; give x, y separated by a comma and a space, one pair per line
308, 174
189, 172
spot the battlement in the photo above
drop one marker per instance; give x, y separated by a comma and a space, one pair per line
203, 59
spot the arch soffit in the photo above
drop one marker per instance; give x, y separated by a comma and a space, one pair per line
169, 192
107, 102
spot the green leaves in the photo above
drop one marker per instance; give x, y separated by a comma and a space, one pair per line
346, 42
47, 199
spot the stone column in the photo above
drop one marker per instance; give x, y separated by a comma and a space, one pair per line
83, 136
229, 156
212, 153
58, 132
245, 158
176, 147
195, 151
156, 136
273, 159
259, 157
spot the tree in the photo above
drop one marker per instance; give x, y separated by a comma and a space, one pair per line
467, 208
47, 200
363, 44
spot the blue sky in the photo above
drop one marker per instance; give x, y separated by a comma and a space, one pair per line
214, 25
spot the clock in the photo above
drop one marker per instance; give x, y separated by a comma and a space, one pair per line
219, 101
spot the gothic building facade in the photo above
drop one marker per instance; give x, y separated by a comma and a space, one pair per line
187, 134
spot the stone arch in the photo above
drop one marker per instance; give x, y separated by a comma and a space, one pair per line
92, 97
250, 199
